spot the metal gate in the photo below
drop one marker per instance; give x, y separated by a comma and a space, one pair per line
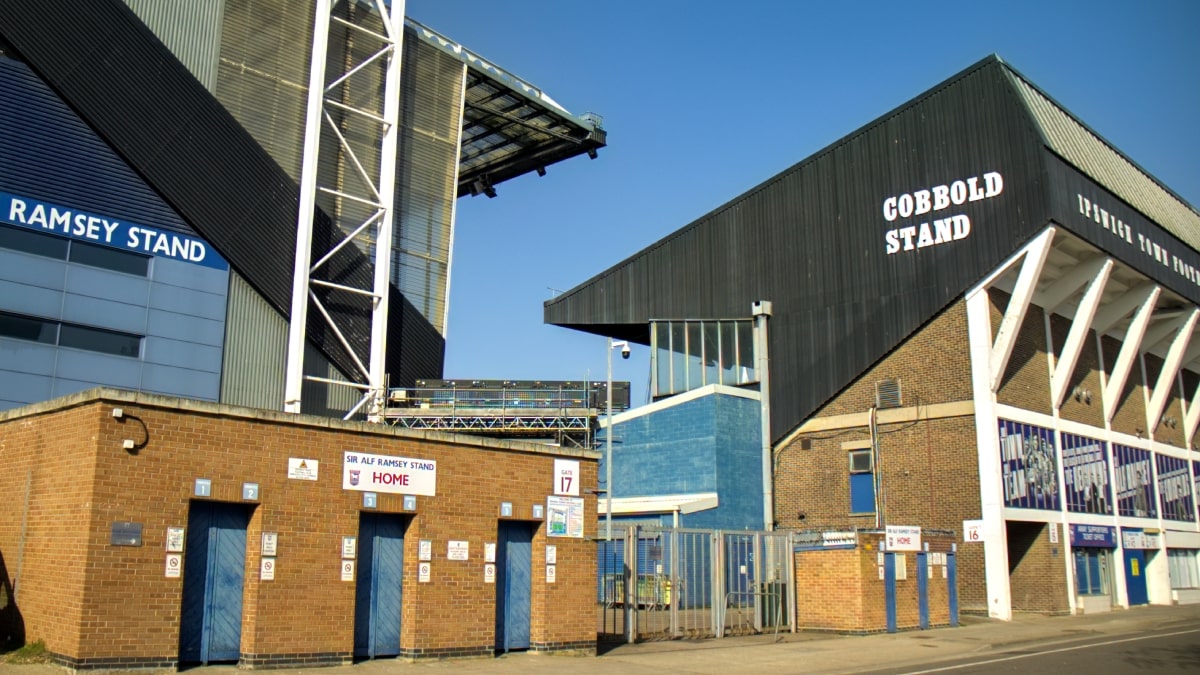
665, 583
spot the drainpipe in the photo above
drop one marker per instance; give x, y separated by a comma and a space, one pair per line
761, 310
876, 474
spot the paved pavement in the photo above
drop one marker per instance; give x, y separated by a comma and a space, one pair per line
790, 653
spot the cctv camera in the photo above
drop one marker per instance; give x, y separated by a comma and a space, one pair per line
625, 352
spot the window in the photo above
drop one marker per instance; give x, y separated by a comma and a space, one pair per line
28, 328
99, 340
862, 482
109, 258
690, 354
72, 335
49, 246
1182, 565
28, 241
1091, 571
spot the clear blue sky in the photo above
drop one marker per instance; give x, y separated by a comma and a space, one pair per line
704, 100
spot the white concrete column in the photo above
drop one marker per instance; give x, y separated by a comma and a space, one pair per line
991, 489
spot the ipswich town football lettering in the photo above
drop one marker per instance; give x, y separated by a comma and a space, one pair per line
951, 227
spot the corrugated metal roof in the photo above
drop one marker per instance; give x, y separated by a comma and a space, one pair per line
1087, 151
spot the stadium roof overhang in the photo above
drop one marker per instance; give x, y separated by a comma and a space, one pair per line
510, 127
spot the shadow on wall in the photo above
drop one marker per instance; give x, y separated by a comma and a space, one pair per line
12, 626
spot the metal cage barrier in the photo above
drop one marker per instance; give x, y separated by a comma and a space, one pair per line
657, 583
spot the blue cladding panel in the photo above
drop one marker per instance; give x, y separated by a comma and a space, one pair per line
62, 386
27, 357
709, 444
739, 465
23, 387
166, 352
31, 269
186, 301
669, 451
180, 382
107, 314
115, 371
186, 328
49, 155
187, 275
30, 300
101, 283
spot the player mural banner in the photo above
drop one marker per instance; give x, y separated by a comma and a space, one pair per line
1175, 488
1085, 475
1029, 466
1135, 489
1196, 479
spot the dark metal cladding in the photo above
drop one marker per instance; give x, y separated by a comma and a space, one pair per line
1102, 218
101, 59
52, 156
814, 241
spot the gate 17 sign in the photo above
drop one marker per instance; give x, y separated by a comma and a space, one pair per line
382, 473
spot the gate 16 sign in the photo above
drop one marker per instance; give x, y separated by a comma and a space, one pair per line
381, 473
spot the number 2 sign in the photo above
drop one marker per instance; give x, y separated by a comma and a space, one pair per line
566, 477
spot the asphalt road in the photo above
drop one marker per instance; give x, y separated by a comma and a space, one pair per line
1147, 651
1157, 639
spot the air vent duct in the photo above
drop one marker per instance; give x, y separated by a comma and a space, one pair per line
887, 394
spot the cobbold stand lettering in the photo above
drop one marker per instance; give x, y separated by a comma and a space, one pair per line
937, 198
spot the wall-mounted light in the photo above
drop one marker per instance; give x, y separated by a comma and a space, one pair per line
1082, 395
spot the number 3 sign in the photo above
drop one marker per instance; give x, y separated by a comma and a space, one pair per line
566, 477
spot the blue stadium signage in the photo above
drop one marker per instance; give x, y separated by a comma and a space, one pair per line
106, 231
1096, 536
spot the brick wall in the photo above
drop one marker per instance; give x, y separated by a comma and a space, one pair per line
1089, 407
1037, 569
45, 521
928, 465
1026, 382
841, 590
97, 604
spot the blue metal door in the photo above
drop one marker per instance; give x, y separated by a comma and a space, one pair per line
514, 579
889, 586
1135, 576
952, 586
214, 570
923, 589
378, 592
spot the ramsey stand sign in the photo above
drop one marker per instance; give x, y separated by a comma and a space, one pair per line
396, 475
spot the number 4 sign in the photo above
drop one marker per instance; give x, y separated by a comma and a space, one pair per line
566, 477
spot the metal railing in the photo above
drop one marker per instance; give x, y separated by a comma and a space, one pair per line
666, 583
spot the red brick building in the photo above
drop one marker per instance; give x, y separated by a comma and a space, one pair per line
145, 531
